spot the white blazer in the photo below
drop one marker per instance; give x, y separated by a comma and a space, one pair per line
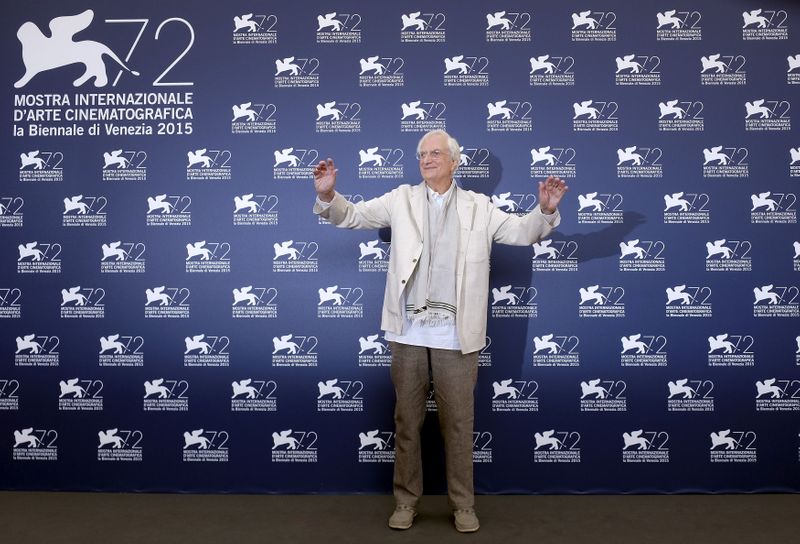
482, 223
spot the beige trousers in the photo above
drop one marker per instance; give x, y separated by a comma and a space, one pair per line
453, 375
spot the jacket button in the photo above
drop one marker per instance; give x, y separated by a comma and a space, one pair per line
403, 281
414, 260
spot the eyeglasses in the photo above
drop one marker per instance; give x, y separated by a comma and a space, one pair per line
435, 154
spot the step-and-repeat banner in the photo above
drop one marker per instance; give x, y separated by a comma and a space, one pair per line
174, 317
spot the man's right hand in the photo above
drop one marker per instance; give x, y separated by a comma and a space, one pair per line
325, 180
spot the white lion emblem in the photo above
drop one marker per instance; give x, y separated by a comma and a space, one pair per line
40, 53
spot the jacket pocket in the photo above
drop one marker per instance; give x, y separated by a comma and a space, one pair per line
475, 301
391, 295
477, 246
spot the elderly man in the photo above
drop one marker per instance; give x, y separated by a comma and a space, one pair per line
435, 304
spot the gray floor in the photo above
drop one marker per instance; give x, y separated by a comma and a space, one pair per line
149, 518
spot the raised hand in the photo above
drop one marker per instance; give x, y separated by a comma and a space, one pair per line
551, 191
325, 179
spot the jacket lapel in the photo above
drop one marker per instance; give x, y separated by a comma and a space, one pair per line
418, 204
465, 205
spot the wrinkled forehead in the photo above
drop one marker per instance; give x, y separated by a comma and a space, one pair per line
434, 141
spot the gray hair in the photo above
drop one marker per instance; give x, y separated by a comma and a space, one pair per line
452, 144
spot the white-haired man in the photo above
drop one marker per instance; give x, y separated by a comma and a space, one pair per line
435, 304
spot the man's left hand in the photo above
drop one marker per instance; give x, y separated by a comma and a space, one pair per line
551, 191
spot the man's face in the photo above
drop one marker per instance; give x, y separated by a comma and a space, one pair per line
436, 169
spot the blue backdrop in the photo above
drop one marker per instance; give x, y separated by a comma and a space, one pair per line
175, 318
